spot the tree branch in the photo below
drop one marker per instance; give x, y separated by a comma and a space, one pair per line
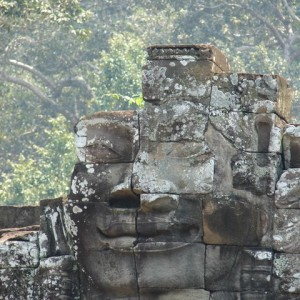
268, 24
292, 14
27, 85
77, 82
33, 71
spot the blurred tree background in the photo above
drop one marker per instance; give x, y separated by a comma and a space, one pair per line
61, 59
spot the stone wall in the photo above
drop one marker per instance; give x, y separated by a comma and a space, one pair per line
196, 196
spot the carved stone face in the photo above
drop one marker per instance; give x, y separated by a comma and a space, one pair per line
137, 230
135, 206
132, 243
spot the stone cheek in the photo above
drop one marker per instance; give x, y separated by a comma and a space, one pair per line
111, 274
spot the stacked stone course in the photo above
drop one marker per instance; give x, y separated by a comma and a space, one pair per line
196, 196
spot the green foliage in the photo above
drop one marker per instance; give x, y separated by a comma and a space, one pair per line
46, 172
118, 83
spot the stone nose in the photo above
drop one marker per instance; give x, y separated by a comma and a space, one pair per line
159, 202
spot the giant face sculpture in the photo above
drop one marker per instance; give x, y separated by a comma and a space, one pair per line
137, 231
135, 208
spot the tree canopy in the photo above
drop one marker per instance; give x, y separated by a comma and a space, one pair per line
62, 59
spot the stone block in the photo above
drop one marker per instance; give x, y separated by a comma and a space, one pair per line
241, 296
57, 278
97, 226
107, 137
250, 132
171, 80
99, 182
52, 239
179, 168
19, 253
173, 122
176, 294
252, 93
230, 268
286, 230
256, 172
170, 218
287, 194
234, 220
170, 265
291, 146
287, 269
19, 216
197, 52
17, 283
108, 274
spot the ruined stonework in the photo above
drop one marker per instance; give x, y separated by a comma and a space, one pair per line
196, 196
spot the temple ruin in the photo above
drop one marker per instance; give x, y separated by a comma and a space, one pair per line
196, 196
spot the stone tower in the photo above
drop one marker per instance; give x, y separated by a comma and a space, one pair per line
196, 196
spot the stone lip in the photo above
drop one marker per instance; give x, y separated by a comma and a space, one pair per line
194, 52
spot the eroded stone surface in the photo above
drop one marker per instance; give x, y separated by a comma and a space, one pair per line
96, 182
287, 194
255, 172
174, 168
170, 265
56, 278
176, 294
19, 216
286, 230
252, 93
19, 254
172, 218
291, 146
172, 122
250, 132
108, 274
52, 235
198, 52
165, 80
234, 220
17, 283
107, 137
287, 269
230, 268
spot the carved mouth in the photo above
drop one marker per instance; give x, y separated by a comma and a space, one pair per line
131, 243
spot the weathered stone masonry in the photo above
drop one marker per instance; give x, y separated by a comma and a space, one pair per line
196, 196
